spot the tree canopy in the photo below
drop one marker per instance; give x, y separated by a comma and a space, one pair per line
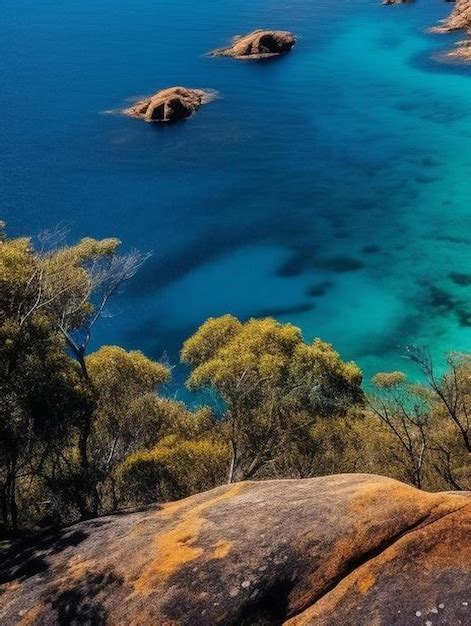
272, 383
84, 433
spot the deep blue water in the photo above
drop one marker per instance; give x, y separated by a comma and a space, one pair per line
330, 188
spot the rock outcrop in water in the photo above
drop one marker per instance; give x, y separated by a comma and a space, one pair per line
258, 45
169, 105
336, 550
459, 19
397, 1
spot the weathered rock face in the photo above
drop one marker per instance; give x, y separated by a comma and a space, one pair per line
258, 45
337, 550
169, 105
459, 19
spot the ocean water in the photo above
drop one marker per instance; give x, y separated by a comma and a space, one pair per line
330, 188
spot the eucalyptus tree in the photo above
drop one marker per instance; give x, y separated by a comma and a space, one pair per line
272, 383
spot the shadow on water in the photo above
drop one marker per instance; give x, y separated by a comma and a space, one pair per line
437, 62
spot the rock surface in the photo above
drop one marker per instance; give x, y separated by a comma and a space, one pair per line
351, 549
258, 45
169, 105
459, 19
397, 1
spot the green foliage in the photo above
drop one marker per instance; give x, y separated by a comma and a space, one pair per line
429, 422
49, 300
174, 468
81, 434
42, 398
388, 380
273, 384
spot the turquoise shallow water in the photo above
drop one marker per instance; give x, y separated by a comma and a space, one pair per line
330, 188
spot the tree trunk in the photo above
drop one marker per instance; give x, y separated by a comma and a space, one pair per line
90, 510
12, 505
232, 465
4, 509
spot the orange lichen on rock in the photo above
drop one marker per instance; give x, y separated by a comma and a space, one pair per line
31, 616
365, 583
222, 549
419, 555
176, 547
344, 549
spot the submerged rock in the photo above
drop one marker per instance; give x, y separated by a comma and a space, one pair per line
169, 105
331, 551
397, 1
258, 45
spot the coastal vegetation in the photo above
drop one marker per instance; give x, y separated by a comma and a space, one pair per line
84, 433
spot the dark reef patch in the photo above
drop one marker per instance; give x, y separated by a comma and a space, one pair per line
164, 269
342, 264
430, 162
440, 299
464, 317
436, 111
445, 303
280, 311
453, 239
319, 289
393, 342
371, 249
463, 280
298, 262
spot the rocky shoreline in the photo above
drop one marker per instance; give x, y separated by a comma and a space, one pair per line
459, 19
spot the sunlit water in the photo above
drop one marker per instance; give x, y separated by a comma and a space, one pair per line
330, 188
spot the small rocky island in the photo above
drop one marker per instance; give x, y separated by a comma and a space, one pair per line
259, 44
169, 105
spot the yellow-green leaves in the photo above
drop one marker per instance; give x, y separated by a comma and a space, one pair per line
209, 338
114, 369
263, 354
388, 380
272, 383
174, 468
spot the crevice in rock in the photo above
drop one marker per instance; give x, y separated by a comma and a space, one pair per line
272, 607
358, 561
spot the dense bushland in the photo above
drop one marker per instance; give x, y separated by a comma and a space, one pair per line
85, 433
